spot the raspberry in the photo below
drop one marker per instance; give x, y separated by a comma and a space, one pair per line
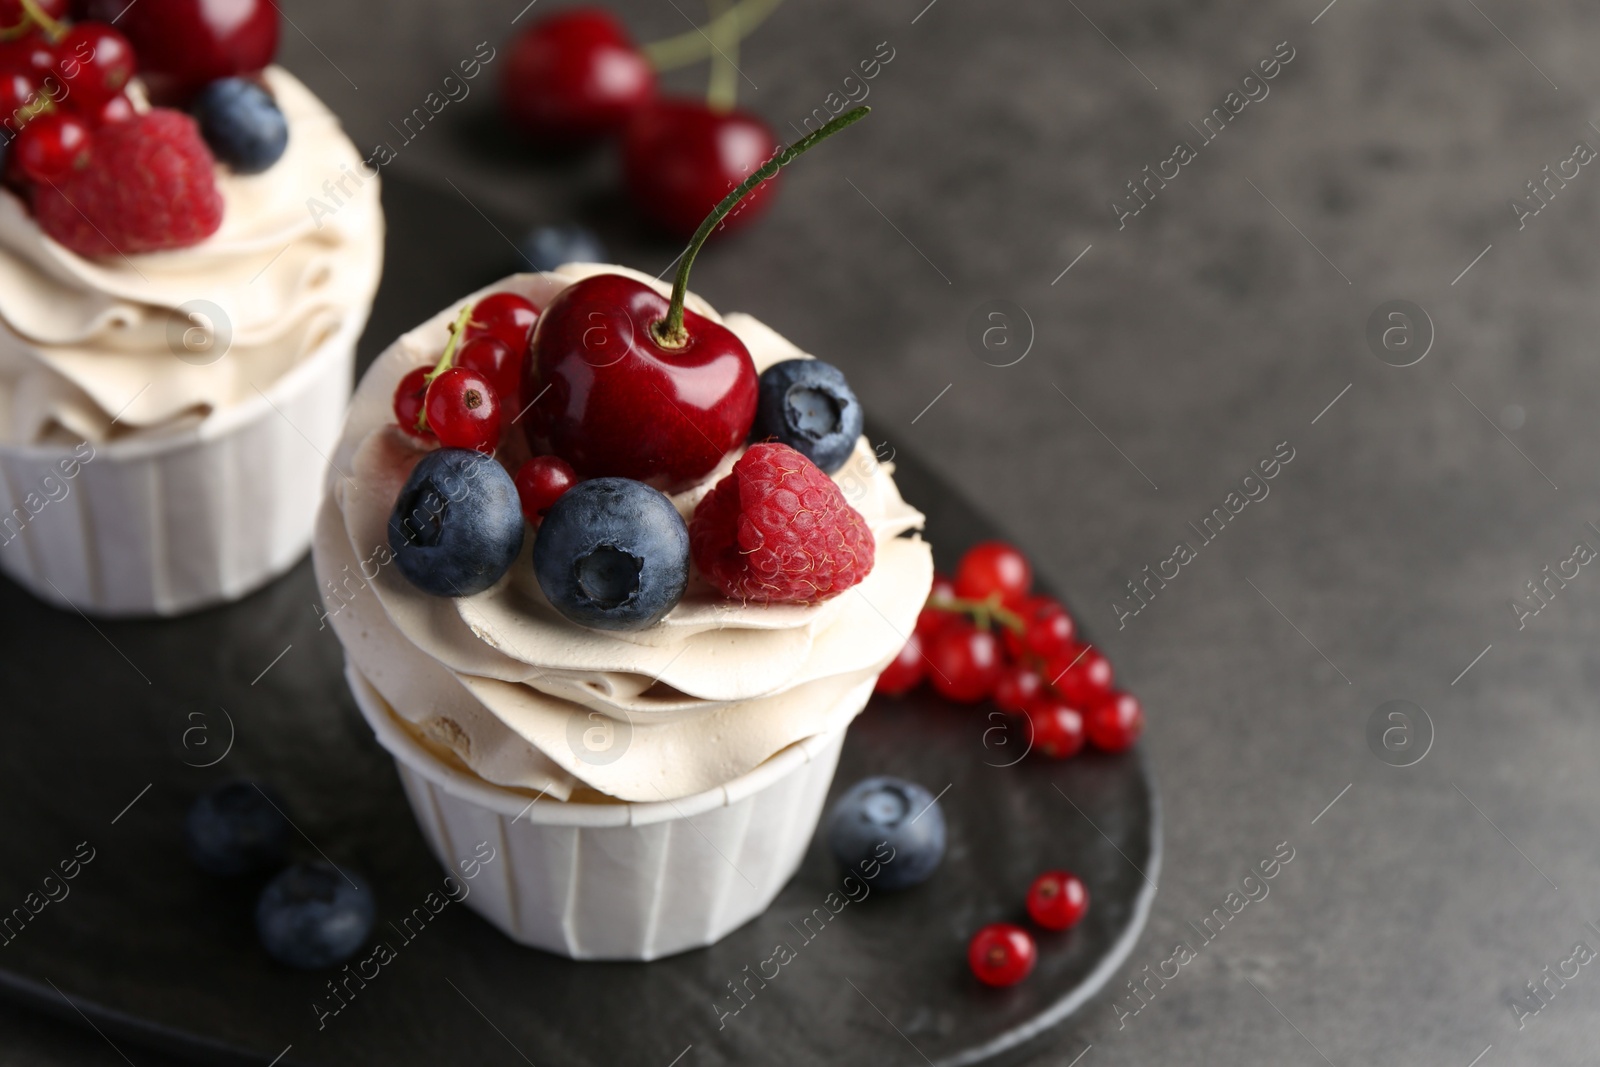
149, 186
778, 530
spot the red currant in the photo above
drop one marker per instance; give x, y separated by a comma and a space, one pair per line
964, 662
1001, 954
94, 62
1057, 728
118, 109
32, 55
994, 568
541, 481
1017, 688
943, 588
905, 671
52, 146
408, 402
12, 12
1057, 900
1048, 630
931, 620
506, 316
18, 92
463, 410
499, 365
1082, 677
1115, 723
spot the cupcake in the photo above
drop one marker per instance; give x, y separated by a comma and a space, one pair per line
180, 298
633, 676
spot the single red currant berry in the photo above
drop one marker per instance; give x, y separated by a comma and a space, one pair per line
1017, 688
943, 588
118, 109
931, 620
1001, 954
1083, 679
905, 671
541, 481
506, 316
408, 401
1051, 630
964, 662
994, 568
499, 364
52, 146
1114, 724
94, 62
18, 92
1057, 727
32, 55
463, 410
1057, 900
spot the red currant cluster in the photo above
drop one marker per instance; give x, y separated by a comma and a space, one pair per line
984, 636
577, 77
58, 84
1003, 954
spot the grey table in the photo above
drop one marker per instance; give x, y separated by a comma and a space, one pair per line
1173, 351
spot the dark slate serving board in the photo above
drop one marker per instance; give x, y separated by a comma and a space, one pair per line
110, 728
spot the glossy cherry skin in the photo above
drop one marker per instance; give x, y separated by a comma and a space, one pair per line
575, 76
680, 158
184, 44
616, 403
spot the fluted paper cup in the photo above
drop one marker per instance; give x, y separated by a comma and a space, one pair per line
616, 881
165, 524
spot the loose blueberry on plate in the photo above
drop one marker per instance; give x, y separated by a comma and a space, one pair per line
548, 247
242, 123
891, 821
314, 915
235, 829
807, 405
457, 524
612, 554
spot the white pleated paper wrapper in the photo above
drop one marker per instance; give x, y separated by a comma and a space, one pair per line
163, 525
616, 881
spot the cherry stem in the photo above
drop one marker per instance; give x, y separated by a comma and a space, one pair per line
37, 14
722, 91
694, 45
983, 612
669, 332
457, 328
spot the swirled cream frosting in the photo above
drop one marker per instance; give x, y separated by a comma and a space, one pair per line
502, 684
90, 348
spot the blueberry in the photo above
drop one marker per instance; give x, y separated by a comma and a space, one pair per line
613, 554
314, 915
242, 124
884, 817
548, 247
236, 829
457, 525
807, 405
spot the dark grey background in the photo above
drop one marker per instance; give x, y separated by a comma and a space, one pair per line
1221, 321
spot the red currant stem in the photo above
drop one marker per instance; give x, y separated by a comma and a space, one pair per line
38, 15
722, 89
692, 46
457, 328
669, 332
983, 612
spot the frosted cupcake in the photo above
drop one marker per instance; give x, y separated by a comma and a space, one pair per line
178, 329
642, 694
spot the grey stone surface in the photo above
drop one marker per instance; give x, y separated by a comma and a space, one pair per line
1222, 320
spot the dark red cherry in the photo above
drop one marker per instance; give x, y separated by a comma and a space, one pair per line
575, 76
680, 158
619, 403
184, 44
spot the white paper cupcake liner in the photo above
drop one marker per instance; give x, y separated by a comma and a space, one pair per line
164, 524
616, 881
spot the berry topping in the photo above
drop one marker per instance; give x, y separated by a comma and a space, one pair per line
807, 405
236, 829
184, 45
1001, 954
496, 363
548, 247
541, 481
889, 825
243, 124
31, 54
1057, 727
94, 63
964, 662
505, 316
778, 530
680, 158
463, 410
13, 12
905, 671
314, 915
149, 186
456, 526
994, 568
1115, 723
53, 146
1057, 900
612, 554
575, 75
118, 109
409, 397
19, 97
